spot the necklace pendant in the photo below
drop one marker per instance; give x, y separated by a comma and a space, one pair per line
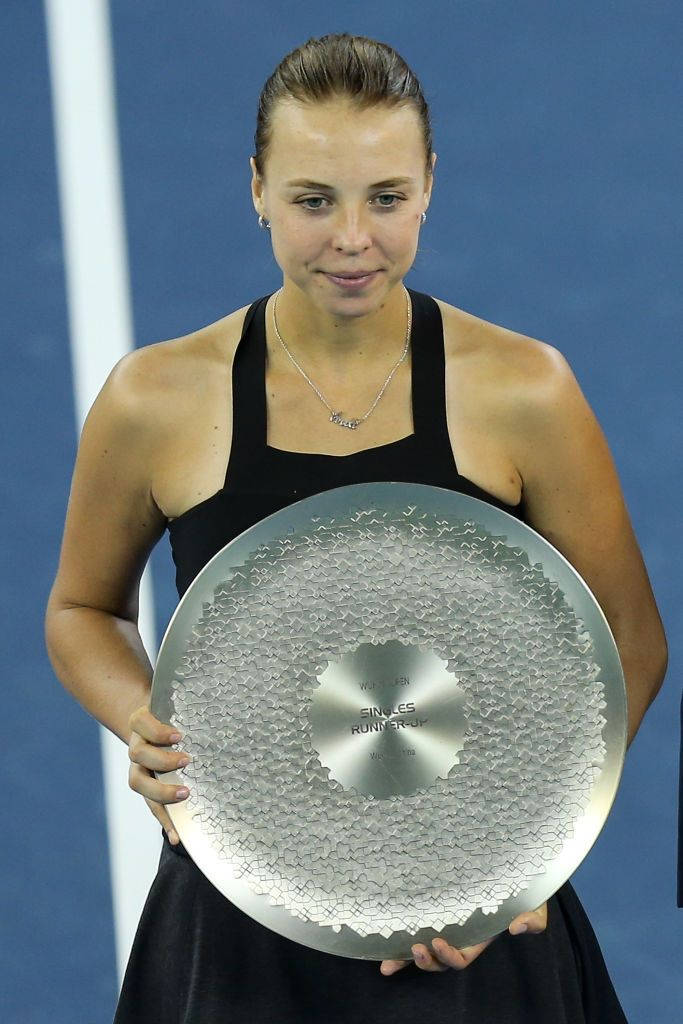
337, 418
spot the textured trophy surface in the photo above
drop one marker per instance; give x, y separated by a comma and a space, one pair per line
406, 714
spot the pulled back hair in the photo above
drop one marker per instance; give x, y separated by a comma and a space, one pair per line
366, 72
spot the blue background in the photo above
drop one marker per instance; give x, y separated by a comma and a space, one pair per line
556, 212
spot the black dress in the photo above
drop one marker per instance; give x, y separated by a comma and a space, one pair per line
197, 958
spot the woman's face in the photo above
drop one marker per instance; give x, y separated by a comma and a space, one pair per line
352, 213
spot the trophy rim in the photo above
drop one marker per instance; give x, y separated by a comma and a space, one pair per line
388, 495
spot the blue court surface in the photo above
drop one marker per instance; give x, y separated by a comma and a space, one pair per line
556, 212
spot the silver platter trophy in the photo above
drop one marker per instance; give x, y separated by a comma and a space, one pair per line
407, 718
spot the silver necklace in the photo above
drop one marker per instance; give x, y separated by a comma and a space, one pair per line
338, 417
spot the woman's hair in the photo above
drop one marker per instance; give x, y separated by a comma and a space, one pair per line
364, 71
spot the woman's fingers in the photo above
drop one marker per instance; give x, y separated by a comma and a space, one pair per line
148, 752
157, 759
162, 816
426, 960
150, 741
533, 921
439, 957
142, 781
143, 722
391, 966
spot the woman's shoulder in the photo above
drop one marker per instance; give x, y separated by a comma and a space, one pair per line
514, 368
470, 336
161, 364
158, 378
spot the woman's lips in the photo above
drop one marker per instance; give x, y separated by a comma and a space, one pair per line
352, 283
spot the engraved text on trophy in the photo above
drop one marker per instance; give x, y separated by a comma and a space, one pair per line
387, 719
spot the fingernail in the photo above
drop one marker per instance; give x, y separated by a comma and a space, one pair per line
174, 737
519, 928
183, 761
182, 792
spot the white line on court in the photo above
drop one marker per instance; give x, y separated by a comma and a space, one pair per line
79, 46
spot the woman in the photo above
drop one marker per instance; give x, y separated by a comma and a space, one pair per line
326, 382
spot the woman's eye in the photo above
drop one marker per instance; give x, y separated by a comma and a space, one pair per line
388, 196
311, 199
384, 206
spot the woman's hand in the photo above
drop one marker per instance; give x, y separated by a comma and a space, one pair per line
147, 735
442, 956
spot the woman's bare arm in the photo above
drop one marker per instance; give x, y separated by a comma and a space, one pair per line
572, 496
112, 524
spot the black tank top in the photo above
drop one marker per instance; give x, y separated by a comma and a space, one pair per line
261, 480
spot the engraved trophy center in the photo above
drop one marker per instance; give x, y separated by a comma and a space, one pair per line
387, 719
